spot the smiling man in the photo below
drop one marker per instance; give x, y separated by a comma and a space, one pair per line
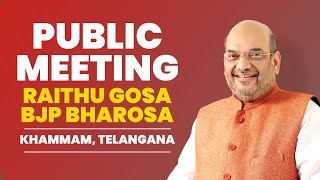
248, 74
261, 131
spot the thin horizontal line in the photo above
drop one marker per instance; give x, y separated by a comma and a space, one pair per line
97, 152
96, 129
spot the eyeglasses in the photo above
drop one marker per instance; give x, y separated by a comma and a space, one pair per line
256, 56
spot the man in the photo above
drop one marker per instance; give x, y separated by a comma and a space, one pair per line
261, 131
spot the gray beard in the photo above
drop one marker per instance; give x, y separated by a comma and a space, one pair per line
252, 93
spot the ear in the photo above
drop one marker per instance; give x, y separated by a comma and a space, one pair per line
276, 61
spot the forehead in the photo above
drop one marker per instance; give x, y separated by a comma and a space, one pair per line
244, 39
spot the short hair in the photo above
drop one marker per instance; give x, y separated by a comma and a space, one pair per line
273, 43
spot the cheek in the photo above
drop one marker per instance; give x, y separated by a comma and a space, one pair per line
228, 69
227, 73
266, 72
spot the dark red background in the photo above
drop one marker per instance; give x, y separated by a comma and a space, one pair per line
193, 32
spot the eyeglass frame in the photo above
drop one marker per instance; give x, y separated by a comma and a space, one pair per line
246, 55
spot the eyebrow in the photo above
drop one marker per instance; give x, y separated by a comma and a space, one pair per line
253, 49
229, 50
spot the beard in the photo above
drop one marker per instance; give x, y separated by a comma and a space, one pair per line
252, 92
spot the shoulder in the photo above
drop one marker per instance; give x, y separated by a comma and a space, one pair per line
216, 105
295, 98
291, 95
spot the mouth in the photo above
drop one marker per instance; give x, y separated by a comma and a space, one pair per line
245, 77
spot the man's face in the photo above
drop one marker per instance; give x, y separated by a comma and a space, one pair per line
247, 77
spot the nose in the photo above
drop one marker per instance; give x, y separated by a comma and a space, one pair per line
243, 63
